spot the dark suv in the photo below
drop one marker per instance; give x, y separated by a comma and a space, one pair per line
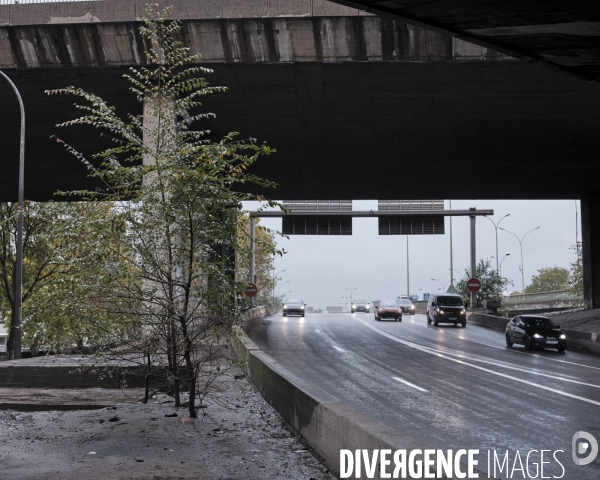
446, 308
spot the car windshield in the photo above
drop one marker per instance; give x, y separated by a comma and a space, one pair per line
450, 301
538, 322
388, 303
405, 302
360, 301
294, 300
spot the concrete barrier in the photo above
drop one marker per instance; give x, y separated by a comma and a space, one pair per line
326, 423
584, 342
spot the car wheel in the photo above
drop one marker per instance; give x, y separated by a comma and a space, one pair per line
400, 319
378, 318
428, 320
562, 349
435, 322
508, 342
527, 343
464, 324
285, 314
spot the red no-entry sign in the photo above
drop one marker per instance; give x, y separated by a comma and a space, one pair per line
473, 285
251, 290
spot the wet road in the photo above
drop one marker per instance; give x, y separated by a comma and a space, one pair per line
448, 387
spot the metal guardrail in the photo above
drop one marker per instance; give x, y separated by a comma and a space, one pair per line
25, 2
541, 297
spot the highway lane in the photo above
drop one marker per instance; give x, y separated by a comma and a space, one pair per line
447, 387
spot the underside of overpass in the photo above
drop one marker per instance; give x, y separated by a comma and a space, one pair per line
357, 106
561, 33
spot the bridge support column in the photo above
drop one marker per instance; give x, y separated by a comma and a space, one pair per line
590, 236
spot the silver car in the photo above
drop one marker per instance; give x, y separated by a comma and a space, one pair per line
293, 306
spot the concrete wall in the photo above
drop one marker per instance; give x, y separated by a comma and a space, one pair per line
577, 341
328, 424
255, 40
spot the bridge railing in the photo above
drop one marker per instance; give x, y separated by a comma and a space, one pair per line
564, 295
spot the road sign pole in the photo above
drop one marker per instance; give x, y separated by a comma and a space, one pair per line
473, 258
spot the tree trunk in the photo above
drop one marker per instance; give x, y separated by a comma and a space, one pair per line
10, 344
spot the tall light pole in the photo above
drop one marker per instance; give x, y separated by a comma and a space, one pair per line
353, 288
443, 286
346, 302
16, 321
279, 289
451, 253
521, 245
506, 255
496, 225
407, 271
274, 277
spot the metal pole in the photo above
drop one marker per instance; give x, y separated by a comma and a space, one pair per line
16, 325
251, 274
521, 245
407, 271
473, 257
451, 254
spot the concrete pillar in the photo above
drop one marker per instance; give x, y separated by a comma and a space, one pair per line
590, 236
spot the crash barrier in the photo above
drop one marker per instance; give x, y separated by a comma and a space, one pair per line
585, 342
420, 306
326, 423
254, 316
335, 309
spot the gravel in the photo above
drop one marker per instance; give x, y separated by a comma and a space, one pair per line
237, 435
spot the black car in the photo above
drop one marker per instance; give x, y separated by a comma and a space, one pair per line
446, 308
360, 306
293, 306
407, 306
535, 331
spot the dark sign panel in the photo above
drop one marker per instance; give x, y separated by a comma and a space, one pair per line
295, 225
413, 225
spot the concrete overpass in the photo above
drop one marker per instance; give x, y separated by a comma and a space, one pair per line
561, 33
358, 106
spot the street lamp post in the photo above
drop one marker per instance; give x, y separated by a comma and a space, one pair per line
16, 321
274, 277
496, 225
443, 286
521, 245
353, 288
506, 255
279, 289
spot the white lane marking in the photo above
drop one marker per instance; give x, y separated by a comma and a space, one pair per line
318, 331
338, 348
432, 352
510, 366
514, 351
409, 384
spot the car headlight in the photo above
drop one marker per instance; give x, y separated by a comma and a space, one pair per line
302, 307
462, 312
285, 307
440, 311
537, 335
563, 337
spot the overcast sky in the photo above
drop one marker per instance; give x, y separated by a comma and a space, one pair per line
320, 268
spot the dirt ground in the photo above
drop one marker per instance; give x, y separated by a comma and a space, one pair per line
238, 436
582, 320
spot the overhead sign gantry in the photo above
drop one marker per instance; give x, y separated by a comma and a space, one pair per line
396, 217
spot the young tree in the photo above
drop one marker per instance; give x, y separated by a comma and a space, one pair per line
55, 247
181, 211
492, 284
549, 279
576, 272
